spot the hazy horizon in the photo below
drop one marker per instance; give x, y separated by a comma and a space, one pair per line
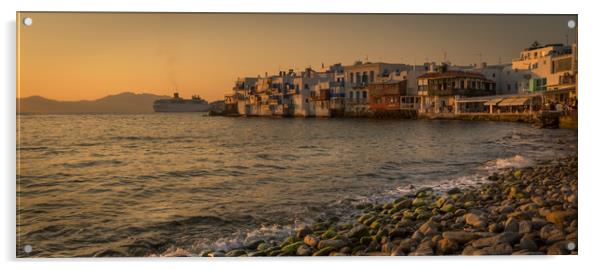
87, 56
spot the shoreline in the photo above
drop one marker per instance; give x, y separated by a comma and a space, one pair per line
527, 211
565, 122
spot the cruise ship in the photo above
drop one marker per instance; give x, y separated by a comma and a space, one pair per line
178, 104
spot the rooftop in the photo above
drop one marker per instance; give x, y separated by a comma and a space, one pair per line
452, 74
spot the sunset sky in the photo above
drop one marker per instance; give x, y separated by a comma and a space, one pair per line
75, 56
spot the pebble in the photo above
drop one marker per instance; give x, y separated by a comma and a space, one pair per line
531, 211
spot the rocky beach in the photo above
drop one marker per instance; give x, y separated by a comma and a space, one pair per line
526, 211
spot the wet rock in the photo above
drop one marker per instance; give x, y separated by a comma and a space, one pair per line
454, 190
263, 246
498, 249
387, 247
495, 227
216, 254
358, 231
551, 234
559, 217
336, 244
311, 240
304, 250
406, 245
527, 243
559, 248
419, 202
460, 237
423, 249
301, 233
447, 246
440, 202
460, 213
328, 234
475, 220
511, 225
524, 227
398, 251
256, 254
254, 244
417, 236
289, 240
323, 252
375, 225
428, 229
292, 248
505, 237
236, 253
362, 219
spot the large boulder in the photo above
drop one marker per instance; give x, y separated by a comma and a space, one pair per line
559, 217
461, 237
428, 229
475, 220
358, 231
311, 240
334, 243
424, 249
505, 237
301, 233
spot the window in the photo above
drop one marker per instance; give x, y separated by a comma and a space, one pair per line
351, 76
351, 95
358, 78
493, 75
364, 94
508, 87
371, 76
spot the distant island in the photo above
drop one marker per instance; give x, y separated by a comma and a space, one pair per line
126, 102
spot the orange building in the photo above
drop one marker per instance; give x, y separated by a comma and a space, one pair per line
386, 95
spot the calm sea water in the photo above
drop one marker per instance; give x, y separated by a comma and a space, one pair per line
134, 185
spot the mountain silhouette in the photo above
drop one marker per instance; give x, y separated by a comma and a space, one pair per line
126, 102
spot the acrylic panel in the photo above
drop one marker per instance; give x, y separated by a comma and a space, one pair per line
295, 134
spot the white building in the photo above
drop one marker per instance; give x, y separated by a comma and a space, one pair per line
357, 78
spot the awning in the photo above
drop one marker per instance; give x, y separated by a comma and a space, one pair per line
494, 102
506, 102
519, 101
516, 101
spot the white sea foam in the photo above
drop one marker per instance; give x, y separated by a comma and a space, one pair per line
517, 161
237, 240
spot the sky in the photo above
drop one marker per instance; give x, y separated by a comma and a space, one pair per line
85, 56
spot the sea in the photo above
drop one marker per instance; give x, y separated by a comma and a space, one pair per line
155, 184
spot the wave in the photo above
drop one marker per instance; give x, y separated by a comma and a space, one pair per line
516, 161
240, 239
92, 163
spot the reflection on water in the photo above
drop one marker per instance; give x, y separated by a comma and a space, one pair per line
127, 184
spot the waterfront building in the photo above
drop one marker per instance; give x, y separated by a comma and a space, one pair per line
552, 69
235, 103
357, 78
386, 96
530, 57
438, 90
508, 81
